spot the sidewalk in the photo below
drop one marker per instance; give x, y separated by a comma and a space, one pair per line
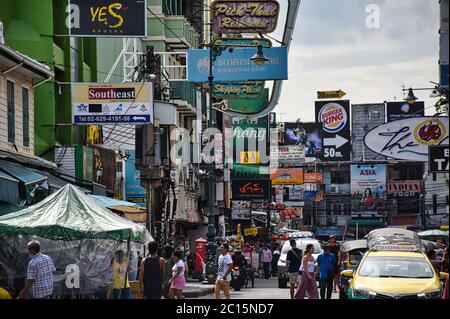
195, 289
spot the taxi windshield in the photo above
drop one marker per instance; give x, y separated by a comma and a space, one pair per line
395, 267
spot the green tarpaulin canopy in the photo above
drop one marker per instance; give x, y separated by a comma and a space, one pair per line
69, 214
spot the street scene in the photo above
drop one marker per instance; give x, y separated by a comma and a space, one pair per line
224, 149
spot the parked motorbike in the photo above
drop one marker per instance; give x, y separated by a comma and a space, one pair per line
237, 278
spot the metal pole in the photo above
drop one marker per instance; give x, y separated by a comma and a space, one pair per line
211, 266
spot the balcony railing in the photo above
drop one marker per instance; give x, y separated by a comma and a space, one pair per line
181, 90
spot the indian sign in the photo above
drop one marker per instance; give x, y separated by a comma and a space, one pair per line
245, 16
408, 139
408, 188
108, 18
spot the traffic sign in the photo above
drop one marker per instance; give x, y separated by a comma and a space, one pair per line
339, 94
439, 158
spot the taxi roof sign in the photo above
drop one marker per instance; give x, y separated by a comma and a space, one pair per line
301, 234
408, 247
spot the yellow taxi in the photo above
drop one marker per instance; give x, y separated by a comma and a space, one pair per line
394, 272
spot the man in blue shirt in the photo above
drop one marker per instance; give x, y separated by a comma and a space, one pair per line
327, 266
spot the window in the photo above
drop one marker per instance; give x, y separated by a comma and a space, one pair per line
11, 112
26, 117
340, 177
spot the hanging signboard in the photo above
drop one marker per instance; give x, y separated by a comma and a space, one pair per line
134, 192
334, 117
238, 107
125, 103
400, 110
108, 18
287, 155
408, 139
283, 176
252, 189
257, 16
306, 135
402, 189
439, 159
237, 66
313, 178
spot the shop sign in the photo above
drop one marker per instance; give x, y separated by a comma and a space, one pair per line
108, 18
249, 158
287, 155
257, 16
252, 189
408, 139
439, 159
286, 176
250, 231
313, 178
402, 189
240, 209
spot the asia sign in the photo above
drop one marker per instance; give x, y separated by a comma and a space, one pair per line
126, 103
334, 117
108, 18
306, 135
252, 189
368, 187
257, 16
400, 110
439, 159
286, 176
237, 66
408, 139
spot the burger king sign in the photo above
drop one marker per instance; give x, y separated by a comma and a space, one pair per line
334, 117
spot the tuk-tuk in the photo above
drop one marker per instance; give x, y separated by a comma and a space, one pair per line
351, 253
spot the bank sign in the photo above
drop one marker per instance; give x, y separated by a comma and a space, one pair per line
408, 139
126, 103
108, 18
237, 65
260, 16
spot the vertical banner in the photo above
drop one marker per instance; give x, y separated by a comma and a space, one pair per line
134, 192
334, 117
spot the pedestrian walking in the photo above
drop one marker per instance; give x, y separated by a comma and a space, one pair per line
139, 261
308, 280
168, 265
293, 263
274, 264
39, 273
121, 283
225, 265
266, 260
327, 266
152, 273
178, 280
335, 250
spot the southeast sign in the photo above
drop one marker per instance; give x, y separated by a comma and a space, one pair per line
108, 18
408, 139
126, 103
237, 66
236, 17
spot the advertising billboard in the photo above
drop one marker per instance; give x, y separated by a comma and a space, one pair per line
251, 189
400, 110
408, 139
313, 178
240, 209
306, 135
134, 192
124, 103
237, 66
257, 16
404, 189
368, 187
109, 18
439, 158
289, 155
334, 118
282, 176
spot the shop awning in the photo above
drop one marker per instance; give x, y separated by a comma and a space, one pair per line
254, 172
9, 189
25, 175
366, 222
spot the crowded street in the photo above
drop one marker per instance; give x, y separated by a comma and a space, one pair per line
217, 151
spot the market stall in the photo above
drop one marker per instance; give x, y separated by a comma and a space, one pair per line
80, 236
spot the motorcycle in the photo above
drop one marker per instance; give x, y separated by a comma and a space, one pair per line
237, 278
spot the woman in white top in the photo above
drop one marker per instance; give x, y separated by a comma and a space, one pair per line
308, 281
177, 282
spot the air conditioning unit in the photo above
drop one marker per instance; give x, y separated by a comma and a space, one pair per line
331, 220
334, 189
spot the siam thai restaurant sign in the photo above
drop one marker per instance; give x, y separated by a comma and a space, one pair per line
245, 16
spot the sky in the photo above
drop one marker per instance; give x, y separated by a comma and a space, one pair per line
332, 48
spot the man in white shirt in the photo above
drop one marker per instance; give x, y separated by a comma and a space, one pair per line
225, 265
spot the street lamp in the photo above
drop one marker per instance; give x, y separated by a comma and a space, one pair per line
410, 98
215, 50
